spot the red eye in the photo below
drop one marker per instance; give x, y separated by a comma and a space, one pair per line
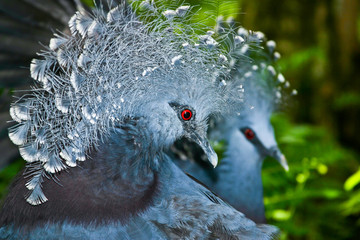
249, 134
186, 114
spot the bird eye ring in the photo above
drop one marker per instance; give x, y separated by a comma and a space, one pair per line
249, 134
186, 115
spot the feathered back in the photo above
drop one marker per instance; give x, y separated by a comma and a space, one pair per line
101, 74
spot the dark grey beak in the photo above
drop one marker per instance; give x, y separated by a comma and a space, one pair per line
206, 147
276, 153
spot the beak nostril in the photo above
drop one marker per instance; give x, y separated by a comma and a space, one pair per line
276, 152
206, 147
273, 151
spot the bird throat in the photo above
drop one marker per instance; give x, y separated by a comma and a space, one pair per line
243, 189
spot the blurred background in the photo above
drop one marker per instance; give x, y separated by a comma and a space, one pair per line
318, 130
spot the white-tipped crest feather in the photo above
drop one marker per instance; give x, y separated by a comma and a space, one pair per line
169, 14
83, 61
181, 11
281, 78
76, 79
56, 42
72, 23
34, 181
82, 23
95, 29
53, 163
37, 196
38, 68
22, 111
29, 152
271, 45
63, 58
18, 134
113, 15
68, 156
61, 103
13, 114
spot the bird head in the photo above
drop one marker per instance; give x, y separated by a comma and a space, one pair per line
183, 112
256, 134
261, 87
194, 129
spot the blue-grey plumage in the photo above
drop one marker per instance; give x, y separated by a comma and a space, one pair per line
237, 179
110, 99
249, 136
239, 175
127, 183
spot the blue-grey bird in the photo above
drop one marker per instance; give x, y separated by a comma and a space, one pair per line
249, 136
108, 100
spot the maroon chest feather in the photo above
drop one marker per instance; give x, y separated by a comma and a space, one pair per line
86, 195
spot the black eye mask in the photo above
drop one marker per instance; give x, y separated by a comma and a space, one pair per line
251, 136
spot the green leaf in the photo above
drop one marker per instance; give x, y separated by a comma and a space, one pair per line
352, 181
280, 215
209, 10
347, 99
89, 3
301, 58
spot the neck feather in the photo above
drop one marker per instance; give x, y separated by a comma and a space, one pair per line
240, 180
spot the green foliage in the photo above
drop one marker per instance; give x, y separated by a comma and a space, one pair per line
358, 28
301, 58
208, 10
220, 148
7, 174
310, 201
347, 99
351, 207
89, 3
352, 181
